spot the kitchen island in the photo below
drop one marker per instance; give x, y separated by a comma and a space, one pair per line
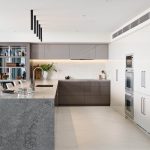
27, 122
83, 92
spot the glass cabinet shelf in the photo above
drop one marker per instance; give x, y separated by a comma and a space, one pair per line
12, 56
12, 67
13, 62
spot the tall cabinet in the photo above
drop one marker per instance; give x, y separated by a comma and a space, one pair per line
137, 44
116, 71
14, 61
142, 93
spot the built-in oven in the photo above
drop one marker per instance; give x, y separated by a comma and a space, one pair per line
129, 105
129, 81
129, 61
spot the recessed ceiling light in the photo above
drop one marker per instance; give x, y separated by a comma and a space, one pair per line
107, 0
84, 15
77, 30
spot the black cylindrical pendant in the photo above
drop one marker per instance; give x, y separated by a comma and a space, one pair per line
41, 35
31, 19
37, 28
39, 31
34, 24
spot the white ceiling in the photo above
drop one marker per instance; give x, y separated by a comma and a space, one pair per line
67, 20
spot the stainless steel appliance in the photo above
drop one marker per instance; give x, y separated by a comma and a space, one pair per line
129, 83
129, 61
129, 87
129, 105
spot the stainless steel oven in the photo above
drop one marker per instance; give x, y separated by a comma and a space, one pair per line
129, 61
129, 81
129, 105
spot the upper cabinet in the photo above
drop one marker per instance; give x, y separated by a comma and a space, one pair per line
37, 51
60, 51
82, 51
69, 51
101, 51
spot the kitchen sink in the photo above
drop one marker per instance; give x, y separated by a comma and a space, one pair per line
44, 85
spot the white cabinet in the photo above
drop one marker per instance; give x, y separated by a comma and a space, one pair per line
37, 51
142, 110
142, 77
116, 71
58, 51
82, 51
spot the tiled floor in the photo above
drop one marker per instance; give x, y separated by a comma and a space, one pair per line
96, 128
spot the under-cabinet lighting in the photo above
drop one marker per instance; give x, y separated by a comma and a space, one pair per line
68, 61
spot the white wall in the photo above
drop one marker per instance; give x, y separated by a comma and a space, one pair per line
55, 37
137, 43
77, 69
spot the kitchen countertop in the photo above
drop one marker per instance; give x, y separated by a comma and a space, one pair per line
103, 80
43, 92
40, 92
28, 122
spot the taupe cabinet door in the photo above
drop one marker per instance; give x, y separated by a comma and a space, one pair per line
69, 51
37, 51
56, 51
82, 51
101, 51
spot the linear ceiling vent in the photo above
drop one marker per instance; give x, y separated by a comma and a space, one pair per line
132, 25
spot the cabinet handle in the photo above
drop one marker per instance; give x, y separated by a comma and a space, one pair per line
141, 105
116, 74
143, 73
144, 113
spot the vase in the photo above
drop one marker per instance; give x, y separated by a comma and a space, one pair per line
45, 75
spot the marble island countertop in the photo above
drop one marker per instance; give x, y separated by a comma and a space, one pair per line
39, 93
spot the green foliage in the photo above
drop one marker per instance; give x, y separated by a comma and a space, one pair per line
48, 67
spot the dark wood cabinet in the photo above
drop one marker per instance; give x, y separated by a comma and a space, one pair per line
71, 100
97, 100
83, 93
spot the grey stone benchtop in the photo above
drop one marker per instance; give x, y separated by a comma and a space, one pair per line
40, 92
27, 123
84, 80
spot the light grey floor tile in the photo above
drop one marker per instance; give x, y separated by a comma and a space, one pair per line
96, 128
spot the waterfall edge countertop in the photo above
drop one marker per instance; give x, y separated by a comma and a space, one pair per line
39, 93
28, 122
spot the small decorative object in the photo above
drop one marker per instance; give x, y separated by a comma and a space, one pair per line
46, 69
24, 75
19, 53
5, 76
102, 75
67, 77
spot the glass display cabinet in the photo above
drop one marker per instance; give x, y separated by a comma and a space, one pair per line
14, 62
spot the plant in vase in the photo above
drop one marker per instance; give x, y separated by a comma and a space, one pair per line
47, 68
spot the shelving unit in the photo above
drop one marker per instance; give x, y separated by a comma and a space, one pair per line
14, 61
